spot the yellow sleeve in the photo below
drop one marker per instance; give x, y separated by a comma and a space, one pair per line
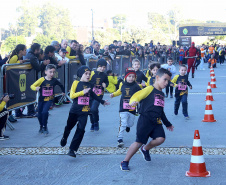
113, 80
74, 94
142, 94
37, 83
148, 82
174, 80
2, 105
147, 74
91, 75
118, 92
68, 54
14, 60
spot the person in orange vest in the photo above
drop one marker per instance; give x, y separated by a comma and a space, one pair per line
212, 62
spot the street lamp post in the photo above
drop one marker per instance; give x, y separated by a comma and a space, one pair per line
92, 25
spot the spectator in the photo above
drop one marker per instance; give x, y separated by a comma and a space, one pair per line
80, 54
3, 61
49, 55
151, 44
3, 117
72, 50
17, 54
94, 48
62, 55
125, 51
63, 44
56, 45
115, 42
87, 54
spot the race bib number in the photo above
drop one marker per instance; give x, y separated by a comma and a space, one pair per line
83, 100
97, 90
182, 86
47, 91
127, 106
159, 100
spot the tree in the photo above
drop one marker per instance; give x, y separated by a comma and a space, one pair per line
11, 42
106, 37
55, 20
28, 20
43, 40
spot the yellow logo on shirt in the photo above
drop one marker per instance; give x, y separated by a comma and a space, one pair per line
22, 82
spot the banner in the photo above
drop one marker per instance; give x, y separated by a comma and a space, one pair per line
19, 78
185, 41
73, 66
208, 29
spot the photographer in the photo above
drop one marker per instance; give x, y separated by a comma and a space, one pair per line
3, 117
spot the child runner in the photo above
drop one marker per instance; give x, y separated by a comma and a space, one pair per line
154, 67
99, 80
45, 86
169, 66
181, 53
126, 112
181, 91
113, 81
140, 75
81, 93
149, 123
148, 73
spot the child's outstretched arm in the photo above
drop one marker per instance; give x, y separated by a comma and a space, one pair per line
118, 92
140, 95
94, 96
174, 80
61, 86
74, 94
36, 86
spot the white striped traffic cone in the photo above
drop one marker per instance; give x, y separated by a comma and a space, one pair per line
213, 78
212, 73
209, 95
197, 164
213, 83
209, 117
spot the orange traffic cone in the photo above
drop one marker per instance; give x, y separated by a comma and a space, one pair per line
212, 83
209, 117
197, 164
213, 78
212, 73
209, 95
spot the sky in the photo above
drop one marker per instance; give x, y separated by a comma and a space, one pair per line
136, 10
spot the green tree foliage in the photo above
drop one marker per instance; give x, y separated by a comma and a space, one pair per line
28, 20
10, 43
107, 37
119, 22
43, 40
55, 20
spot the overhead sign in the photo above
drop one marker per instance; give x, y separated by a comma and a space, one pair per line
207, 29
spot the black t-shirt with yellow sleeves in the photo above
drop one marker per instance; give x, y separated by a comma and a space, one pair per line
46, 91
126, 90
140, 77
151, 105
81, 101
96, 79
182, 82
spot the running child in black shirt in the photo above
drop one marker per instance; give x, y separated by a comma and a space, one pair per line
99, 80
154, 67
82, 95
127, 113
45, 86
151, 117
140, 75
181, 92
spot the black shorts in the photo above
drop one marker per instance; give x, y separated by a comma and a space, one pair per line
146, 129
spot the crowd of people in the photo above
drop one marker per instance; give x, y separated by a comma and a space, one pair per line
88, 90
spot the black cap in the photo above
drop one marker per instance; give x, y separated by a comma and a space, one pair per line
101, 63
82, 70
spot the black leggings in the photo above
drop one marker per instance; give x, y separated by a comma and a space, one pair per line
81, 121
168, 87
